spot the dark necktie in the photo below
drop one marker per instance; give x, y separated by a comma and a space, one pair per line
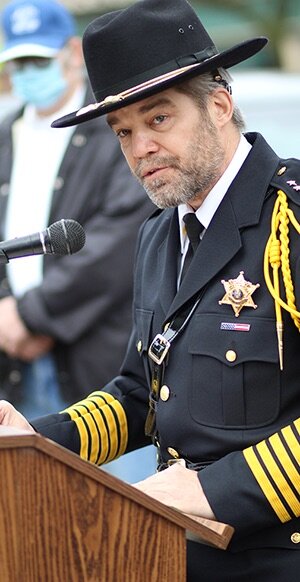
193, 230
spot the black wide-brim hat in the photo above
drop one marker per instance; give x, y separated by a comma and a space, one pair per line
146, 48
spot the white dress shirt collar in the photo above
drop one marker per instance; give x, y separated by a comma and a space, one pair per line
208, 208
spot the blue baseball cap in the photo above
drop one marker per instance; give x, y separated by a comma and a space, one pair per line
35, 28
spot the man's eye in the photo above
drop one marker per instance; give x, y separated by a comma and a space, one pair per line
122, 133
159, 119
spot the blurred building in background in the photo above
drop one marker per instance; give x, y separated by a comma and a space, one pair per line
270, 102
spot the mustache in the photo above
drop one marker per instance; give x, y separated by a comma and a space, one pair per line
145, 166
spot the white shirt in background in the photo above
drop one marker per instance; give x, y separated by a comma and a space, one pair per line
38, 150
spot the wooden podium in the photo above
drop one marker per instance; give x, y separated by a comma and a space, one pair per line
65, 520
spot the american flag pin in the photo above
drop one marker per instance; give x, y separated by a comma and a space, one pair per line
228, 326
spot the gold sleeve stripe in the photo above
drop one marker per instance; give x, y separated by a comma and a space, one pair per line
111, 423
83, 442
278, 478
292, 442
265, 484
122, 426
285, 460
88, 403
98, 398
91, 440
71, 411
119, 415
100, 447
102, 425
76, 411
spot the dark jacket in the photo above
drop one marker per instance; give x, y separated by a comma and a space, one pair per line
226, 390
85, 299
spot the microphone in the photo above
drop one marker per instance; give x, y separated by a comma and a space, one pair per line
64, 237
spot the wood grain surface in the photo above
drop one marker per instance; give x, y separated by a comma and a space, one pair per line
64, 520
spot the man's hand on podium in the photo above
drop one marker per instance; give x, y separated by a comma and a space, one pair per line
9, 416
180, 488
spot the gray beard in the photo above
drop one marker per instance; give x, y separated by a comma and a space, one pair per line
186, 189
194, 178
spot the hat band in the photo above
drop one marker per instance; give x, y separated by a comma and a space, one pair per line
161, 69
112, 99
197, 58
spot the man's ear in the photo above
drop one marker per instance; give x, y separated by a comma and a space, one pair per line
220, 106
76, 54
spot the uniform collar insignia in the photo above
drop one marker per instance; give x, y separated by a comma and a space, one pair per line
294, 185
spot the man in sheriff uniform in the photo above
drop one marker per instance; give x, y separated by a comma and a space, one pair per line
215, 346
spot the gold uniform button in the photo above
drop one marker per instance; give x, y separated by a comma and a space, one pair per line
281, 171
139, 346
173, 453
230, 356
164, 393
295, 537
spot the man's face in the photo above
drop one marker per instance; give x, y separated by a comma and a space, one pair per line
173, 148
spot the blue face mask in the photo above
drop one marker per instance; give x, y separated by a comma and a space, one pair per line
41, 87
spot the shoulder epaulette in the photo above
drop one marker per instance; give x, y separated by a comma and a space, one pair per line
286, 182
287, 178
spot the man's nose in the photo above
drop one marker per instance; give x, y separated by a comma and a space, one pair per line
143, 144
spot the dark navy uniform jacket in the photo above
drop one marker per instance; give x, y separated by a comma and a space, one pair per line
227, 403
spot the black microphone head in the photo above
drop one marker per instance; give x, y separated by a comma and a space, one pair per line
66, 237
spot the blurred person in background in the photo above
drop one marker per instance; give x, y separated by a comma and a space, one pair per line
8, 101
64, 321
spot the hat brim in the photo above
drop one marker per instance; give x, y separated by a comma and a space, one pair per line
226, 59
27, 50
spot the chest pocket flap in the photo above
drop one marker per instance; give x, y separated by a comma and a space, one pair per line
235, 370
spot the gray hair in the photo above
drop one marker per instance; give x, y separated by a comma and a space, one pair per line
200, 87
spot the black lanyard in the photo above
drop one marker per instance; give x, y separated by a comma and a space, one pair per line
158, 352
